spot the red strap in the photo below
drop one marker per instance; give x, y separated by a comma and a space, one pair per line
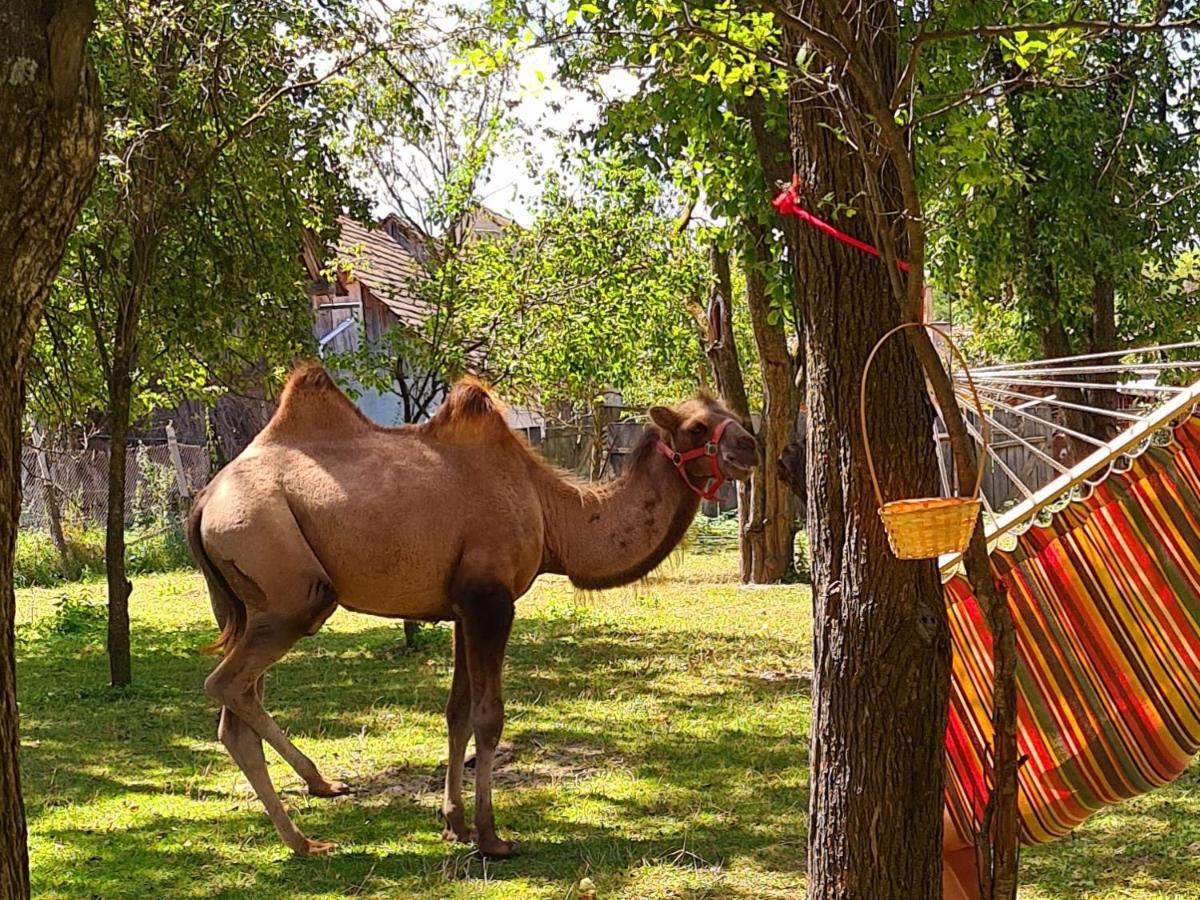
788, 204
711, 449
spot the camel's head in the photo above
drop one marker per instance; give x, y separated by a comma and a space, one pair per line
692, 424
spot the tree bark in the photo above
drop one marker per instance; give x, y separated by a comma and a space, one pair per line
772, 528
722, 345
49, 114
721, 349
122, 359
881, 638
1102, 338
120, 665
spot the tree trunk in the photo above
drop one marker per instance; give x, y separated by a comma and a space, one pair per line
722, 346
53, 508
881, 638
122, 359
120, 398
1103, 339
1055, 345
49, 115
727, 372
14, 859
596, 443
773, 526
411, 630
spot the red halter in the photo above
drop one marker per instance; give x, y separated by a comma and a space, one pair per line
710, 449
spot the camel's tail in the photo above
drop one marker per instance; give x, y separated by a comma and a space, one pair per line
227, 606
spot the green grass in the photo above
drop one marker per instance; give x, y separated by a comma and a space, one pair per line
656, 742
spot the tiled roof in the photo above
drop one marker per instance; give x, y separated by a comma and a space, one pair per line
379, 261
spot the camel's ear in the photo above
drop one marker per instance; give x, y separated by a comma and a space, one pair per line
665, 418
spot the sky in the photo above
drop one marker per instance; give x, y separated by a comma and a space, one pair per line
542, 106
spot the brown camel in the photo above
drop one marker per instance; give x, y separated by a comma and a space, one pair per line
451, 520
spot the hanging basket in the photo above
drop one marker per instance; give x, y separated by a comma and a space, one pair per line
925, 527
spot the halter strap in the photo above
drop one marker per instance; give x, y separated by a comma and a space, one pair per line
710, 449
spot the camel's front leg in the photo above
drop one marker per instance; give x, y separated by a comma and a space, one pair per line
458, 727
486, 616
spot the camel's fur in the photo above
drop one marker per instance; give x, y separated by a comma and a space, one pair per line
450, 520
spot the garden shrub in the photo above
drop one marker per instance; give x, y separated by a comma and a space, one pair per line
148, 550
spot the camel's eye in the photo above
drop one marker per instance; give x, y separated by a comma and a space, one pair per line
698, 429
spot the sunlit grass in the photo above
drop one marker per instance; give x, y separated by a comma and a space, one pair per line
656, 742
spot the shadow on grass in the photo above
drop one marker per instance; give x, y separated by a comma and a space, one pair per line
86, 745
646, 731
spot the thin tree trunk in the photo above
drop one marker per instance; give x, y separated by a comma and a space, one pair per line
1103, 339
721, 349
120, 664
411, 630
122, 358
997, 839
774, 507
596, 441
722, 346
881, 637
1055, 344
53, 508
49, 115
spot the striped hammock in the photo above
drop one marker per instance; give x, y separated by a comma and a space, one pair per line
1105, 595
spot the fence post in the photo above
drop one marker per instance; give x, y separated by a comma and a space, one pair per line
185, 489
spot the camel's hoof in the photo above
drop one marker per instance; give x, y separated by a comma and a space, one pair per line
329, 789
460, 835
498, 849
314, 848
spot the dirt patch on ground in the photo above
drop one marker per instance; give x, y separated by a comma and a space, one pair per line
526, 765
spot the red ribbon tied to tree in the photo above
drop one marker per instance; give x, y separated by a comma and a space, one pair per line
788, 204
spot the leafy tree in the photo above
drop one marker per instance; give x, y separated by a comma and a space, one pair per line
1075, 177
50, 112
183, 272
592, 296
709, 114
431, 121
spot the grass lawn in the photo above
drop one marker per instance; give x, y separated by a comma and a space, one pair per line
656, 742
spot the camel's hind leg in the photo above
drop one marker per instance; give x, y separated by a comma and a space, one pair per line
233, 684
245, 746
272, 574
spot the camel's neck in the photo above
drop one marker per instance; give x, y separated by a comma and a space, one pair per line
612, 535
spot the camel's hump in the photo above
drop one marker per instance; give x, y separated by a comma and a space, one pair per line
469, 413
312, 401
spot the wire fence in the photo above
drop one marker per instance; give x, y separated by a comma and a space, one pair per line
158, 477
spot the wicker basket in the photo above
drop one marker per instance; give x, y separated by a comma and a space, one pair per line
925, 527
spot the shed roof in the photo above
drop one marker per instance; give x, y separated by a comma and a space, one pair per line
379, 261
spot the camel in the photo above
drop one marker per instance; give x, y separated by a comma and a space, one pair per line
450, 520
